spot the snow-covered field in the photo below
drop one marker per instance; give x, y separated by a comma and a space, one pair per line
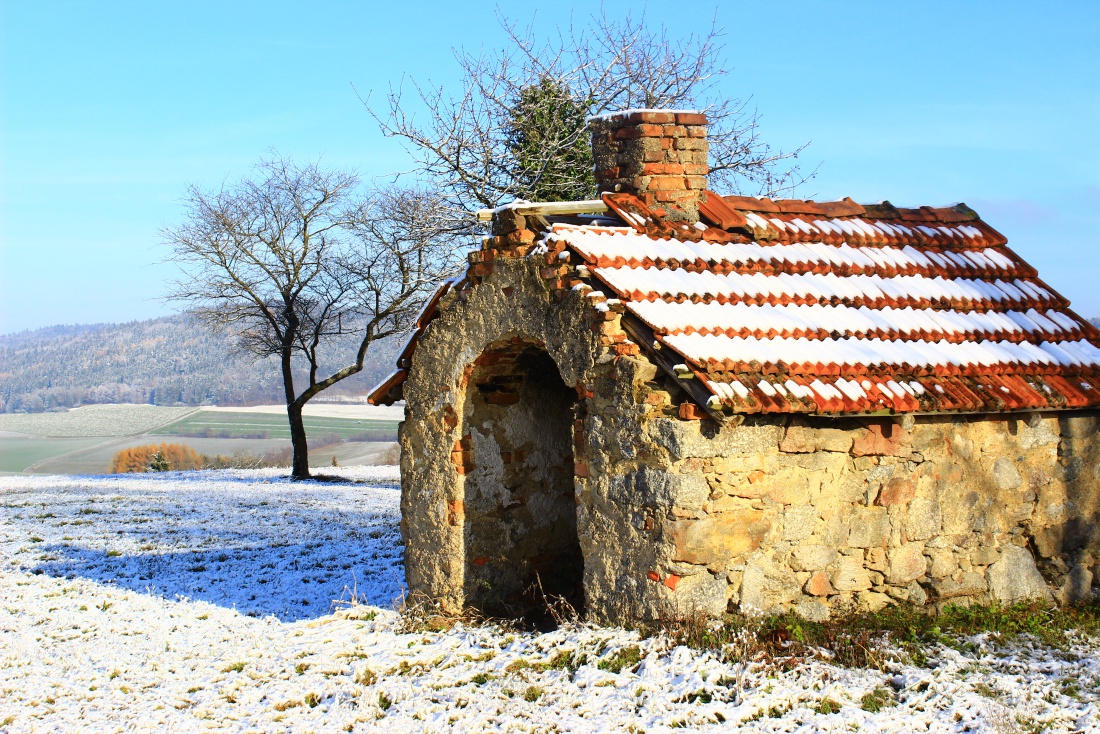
93, 420
204, 601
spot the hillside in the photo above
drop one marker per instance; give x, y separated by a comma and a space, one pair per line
165, 361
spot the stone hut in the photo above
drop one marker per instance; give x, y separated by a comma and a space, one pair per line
667, 402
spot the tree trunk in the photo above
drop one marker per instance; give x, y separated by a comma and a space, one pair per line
300, 467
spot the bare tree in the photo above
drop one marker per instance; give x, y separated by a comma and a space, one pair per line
476, 147
296, 255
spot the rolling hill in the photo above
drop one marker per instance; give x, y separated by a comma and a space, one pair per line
166, 361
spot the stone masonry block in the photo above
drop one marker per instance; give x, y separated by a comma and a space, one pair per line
1015, 578
717, 539
655, 488
881, 439
850, 575
870, 528
812, 557
905, 564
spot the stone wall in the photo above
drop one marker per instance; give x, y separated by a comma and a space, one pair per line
779, 514
525, 363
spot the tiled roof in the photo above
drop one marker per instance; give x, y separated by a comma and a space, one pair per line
838, 308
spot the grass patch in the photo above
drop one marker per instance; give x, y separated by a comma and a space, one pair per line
856, 639
877, 700
626, 657
234, 668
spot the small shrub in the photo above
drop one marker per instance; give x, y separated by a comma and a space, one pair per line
827, 706
234, 668
159, 463
165, 457
312, 699
384, 702
532, 694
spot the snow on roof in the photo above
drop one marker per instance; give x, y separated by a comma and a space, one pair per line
638, 110
842, 308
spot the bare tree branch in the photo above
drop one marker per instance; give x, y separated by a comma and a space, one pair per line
295, 256
466, 144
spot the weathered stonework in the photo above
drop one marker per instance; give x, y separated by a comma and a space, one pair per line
540, 444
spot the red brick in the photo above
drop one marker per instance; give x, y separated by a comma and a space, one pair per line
659, 118
691, 118
653, 576
456, 510
639, 131
657, 169
671, 580
689, 411
520, 237
667, 183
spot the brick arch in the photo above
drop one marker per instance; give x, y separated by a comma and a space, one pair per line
467, 344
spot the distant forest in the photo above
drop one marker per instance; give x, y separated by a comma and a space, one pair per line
165, 361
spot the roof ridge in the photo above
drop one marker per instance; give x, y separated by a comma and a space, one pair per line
848, 207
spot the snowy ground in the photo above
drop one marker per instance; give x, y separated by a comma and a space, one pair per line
205, 602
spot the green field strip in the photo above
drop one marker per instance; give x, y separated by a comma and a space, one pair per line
206, 423
17, 454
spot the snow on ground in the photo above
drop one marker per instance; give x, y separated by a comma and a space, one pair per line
203, 601
124, 419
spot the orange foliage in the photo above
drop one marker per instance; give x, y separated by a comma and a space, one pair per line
139, 458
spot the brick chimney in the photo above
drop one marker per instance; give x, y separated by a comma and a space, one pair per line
658, 155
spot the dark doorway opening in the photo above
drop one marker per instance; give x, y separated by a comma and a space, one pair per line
520, 508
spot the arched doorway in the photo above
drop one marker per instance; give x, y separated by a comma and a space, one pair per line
520, 524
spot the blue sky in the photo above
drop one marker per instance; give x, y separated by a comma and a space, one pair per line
109, 109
